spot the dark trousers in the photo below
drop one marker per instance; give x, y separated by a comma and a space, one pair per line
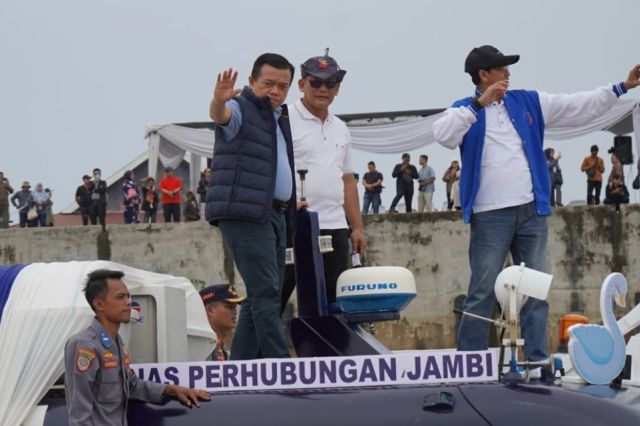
97, 213
405, 191
85, 212
42, 217
591, 186
449, 201
259, 252
4, 213
23, 217
131, 215
171, 212
335, 263
150, 216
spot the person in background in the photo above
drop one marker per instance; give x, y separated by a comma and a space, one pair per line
5, 190
636, 182
426, 185
372, 182
616, 192
130, 198
23, 200
98, 378
150, 200
98, 208
221, 305
455, 191
83, 198
616, 168
202, 188
555, 176
450, 176
593, 166
191, 208
404, 173
170, 187
50, 218
41, 201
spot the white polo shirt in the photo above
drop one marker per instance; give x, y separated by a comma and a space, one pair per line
324, 149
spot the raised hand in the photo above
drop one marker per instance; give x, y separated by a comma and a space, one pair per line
224, 89
223, 92
633, 80
494, 93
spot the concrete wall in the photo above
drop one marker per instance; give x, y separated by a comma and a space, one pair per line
585, 244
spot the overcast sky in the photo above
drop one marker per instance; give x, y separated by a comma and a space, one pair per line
79, 80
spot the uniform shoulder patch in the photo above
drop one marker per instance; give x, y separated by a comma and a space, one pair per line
84, 359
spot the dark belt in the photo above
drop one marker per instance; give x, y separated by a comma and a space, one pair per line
280, 205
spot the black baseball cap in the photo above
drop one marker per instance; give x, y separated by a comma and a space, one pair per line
595, 148
86, 177
485, 57
323, 67
220, 292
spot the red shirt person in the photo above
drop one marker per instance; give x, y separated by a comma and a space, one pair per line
170, 186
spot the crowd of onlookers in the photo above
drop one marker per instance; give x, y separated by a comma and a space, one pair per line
405, 174
34, 207
142, 199
616, 191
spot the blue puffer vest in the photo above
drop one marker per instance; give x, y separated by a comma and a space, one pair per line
244, 169
525, 113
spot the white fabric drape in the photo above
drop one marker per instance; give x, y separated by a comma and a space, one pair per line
394, 137
198, 141
46, 306
170, 154
386, 138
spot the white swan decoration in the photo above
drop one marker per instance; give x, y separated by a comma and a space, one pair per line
598, 351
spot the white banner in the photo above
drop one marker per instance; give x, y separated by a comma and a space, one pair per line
411, 368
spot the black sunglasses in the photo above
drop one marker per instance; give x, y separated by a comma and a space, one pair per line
329, 84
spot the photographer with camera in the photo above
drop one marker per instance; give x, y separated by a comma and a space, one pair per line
617, 168
616, 192
593, 166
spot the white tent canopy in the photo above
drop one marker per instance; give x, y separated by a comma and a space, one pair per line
170, 143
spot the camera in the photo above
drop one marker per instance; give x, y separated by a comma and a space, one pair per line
622, 149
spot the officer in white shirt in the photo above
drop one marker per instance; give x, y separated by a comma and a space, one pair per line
322, 145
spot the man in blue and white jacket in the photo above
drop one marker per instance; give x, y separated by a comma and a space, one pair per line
504, 186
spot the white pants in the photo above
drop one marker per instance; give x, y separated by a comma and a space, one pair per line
425, 201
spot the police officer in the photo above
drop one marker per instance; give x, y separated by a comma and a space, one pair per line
98, 379
221, 304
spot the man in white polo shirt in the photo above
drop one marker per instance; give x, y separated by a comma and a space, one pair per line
504, 186
322, 145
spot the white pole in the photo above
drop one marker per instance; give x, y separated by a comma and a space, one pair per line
154, 151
